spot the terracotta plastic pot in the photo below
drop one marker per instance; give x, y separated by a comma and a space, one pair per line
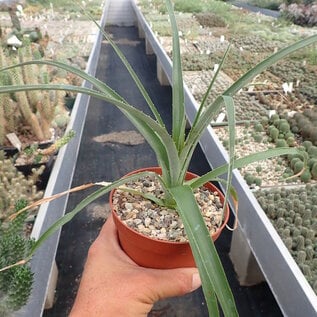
153, 253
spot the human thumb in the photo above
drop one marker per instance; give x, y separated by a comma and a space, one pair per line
177, 282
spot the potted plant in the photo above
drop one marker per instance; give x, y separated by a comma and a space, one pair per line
173, 153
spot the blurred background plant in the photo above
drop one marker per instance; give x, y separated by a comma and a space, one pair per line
15, 284
30, 115
300, 12
16, 191
15, 186
92, 6
293, 212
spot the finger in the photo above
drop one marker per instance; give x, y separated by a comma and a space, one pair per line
177, 282
108, 242
108, 229
108, 234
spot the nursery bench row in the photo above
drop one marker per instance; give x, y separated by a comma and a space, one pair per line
43, 262
257, 251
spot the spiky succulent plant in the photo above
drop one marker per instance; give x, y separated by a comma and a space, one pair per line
296, 223
16, 282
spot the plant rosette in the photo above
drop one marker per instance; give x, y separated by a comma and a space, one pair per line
153, 236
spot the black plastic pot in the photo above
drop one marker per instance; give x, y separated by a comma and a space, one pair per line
43, 178
26, 169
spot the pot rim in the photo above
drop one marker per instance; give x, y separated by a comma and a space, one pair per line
192, 175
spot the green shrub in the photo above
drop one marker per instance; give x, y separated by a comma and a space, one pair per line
301, 256
289, 135
284, 126
313, 135
267, 4
294, 161
274, 118
290, 141
258, 137
300, 242
258, 127
264, 121
249, 178
307, 144
298, 166
16, 283
312, 152
257, 181
311, 162
191, 6
314, 171
258, 169
288, 243
280, 222
274, 133
209, 19
306, 176
281, 143
299, 13
298, 221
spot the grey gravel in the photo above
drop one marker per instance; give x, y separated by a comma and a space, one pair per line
159, 222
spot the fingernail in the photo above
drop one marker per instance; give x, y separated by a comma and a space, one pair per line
196, 281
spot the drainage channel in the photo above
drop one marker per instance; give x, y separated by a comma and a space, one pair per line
110, 148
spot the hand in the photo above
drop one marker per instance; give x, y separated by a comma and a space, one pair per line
113, 285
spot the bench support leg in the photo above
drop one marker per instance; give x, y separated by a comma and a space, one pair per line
244, 262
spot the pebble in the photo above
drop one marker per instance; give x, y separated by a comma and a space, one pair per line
165, 224
140, 227
147, 221
137, 221
128, 206
130, 215
162, 236
173, 224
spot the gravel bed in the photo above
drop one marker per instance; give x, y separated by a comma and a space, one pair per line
159, 222
203, 44
186, 46
285, 103
269, 171
247, 107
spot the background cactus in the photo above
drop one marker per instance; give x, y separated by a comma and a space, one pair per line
14, 186
15, 283
16, 191
296, 223
305, 123
33, 112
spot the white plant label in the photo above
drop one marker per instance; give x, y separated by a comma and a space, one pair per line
221, 117
14, 140
287, 88
271, 113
